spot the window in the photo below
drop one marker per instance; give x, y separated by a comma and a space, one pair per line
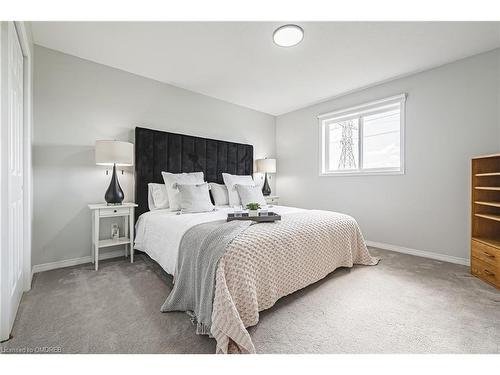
367, 139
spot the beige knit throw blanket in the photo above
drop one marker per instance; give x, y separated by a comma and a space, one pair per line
269, 261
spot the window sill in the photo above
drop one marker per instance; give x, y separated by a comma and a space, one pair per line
360, 173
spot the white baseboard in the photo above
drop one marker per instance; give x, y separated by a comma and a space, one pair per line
118, 253
419, 253
75, 261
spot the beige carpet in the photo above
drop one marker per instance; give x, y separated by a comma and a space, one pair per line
406, 304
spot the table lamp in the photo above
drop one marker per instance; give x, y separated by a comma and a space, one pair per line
266, 166
115, 153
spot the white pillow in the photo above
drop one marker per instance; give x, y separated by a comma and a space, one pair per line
157, 196
219, 193
195, 198
230, 180
250, 194
181, 179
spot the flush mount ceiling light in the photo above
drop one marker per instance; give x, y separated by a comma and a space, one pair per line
288, 35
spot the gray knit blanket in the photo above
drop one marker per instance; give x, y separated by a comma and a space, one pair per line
200, 250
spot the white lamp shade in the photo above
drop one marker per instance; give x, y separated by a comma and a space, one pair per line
266, 165
114, 152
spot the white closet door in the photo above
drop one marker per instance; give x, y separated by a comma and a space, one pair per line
14, 254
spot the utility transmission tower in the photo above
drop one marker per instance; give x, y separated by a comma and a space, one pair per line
347, 160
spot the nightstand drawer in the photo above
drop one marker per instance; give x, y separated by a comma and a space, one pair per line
114, 211
272, 200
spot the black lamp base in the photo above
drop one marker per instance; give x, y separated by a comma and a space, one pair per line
266, 189
114, 195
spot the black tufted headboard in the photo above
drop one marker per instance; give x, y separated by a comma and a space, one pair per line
157, 151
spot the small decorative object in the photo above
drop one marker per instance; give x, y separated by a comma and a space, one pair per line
238, 211
114, 153
115, 232
266, 166
253, 209
263, 212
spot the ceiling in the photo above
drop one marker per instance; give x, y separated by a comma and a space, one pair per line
239, 63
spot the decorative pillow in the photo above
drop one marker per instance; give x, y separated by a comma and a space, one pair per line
180, 179
219, 193
157, 196
230, 180
250, 194
195, 198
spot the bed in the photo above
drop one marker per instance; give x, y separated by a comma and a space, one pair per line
256, 264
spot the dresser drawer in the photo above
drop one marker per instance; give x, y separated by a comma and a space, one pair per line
114, 211
485, 253
485, 272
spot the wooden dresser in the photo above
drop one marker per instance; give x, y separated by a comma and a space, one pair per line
485, 242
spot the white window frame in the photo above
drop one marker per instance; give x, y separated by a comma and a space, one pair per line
355, 113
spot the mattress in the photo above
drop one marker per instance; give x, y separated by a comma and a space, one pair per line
159, 232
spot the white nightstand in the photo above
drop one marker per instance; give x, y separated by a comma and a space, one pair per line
102, 210
272, 199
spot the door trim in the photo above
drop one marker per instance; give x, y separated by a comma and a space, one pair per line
25, 40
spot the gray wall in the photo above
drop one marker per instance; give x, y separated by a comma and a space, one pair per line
77, 102
452, 115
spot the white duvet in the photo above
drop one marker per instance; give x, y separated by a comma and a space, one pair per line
159, 232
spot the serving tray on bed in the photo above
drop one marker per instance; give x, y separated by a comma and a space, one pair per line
271, 216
